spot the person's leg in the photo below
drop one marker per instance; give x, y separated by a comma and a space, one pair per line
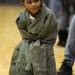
64, 20
62, 37
73, 4
20, 64
55, 6
69, 53
66, 10
42, 58
67, 63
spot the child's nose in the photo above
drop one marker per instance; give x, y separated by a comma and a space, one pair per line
33, 4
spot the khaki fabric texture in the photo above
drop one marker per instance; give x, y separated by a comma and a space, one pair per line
33, 59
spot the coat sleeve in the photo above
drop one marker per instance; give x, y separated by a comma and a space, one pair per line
21, 24
52, 30
53, 27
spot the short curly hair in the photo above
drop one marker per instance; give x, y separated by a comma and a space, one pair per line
22, 2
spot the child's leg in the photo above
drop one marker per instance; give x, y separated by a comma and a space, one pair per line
51, 64
19, 64
42, 58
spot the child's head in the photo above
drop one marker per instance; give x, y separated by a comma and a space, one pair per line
33, 6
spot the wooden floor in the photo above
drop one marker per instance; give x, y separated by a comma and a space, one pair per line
10, 36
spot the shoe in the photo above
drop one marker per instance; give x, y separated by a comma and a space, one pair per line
65, 69
62, 43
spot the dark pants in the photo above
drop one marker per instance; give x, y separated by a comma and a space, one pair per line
63, 37
66, 4
66, 9
63, 34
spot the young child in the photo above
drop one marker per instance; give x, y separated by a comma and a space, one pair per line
38, 27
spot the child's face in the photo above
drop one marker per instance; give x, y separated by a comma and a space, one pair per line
33, 6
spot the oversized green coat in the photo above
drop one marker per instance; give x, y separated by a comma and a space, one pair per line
34, 55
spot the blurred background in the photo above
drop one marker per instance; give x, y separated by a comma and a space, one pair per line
10, 1
10, 36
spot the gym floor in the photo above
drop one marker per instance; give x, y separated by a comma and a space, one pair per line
10, 37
